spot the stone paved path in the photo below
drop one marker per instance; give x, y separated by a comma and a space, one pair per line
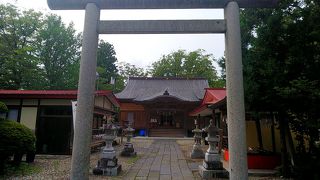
162, 160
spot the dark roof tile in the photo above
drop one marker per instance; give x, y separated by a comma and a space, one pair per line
144, 89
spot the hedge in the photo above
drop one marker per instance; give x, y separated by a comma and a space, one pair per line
15, 138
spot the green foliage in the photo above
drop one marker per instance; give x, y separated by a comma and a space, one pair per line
126, 70
15, 138
58, 51
281, 57
41, 52
106, 68
23, 169
18, 63
187, 64
3, 107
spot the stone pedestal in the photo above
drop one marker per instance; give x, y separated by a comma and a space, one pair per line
108, 163
210, 174
212, 166
128, 149
197, 152
107, 167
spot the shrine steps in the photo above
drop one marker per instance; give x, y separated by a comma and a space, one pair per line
166, 133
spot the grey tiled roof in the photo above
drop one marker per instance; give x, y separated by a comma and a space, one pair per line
144, 89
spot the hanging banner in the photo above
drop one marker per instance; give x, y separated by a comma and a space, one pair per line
74, 112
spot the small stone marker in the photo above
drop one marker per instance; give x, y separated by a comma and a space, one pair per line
212, 166
197, 151
108, 163
128, 149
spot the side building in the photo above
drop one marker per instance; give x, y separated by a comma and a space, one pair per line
49, 114
160, 106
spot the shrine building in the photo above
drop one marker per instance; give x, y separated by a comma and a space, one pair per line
48, 113
160, 106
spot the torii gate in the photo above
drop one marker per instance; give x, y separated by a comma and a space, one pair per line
93, 27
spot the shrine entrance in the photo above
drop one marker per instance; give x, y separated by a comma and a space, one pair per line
168, 113
166, 119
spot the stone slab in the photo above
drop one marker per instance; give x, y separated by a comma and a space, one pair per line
154, 175
165, 169
143, 172
165, 177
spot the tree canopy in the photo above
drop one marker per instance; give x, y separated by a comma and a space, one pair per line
18, 34
187, 64
281, 62
58, 52
106, 67
126, 70
39, 51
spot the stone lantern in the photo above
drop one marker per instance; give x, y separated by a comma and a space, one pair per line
108, 163
212, 166
128, 149
197, 151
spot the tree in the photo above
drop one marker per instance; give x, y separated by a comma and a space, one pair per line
106, 68
281, 63
187, 64
37, 51
222, 63
58, 51
18, 63
126, 70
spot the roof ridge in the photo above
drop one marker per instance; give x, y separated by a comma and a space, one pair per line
166, 78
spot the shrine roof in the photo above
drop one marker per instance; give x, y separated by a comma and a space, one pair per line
146, 88
52, 94
212, 96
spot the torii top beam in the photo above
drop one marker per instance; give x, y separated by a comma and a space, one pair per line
157, 4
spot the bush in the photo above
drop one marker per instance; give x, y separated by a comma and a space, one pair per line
16, 139
3, 109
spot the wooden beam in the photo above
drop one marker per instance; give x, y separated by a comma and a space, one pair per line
157, 4
162, 27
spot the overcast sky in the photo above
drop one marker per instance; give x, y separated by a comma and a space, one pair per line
142, 50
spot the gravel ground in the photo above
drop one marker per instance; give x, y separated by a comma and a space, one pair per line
58, 167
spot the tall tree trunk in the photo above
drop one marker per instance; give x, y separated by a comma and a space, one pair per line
273, 139
258, 127
284, 155
290, 143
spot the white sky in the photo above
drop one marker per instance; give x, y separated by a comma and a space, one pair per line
142, 50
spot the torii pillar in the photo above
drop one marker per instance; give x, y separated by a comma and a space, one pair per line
92, 27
